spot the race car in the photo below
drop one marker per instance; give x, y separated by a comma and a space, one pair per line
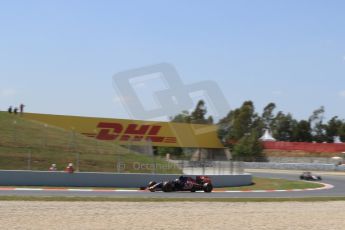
200, 183
309, 176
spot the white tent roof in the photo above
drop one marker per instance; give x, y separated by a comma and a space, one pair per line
337, 140
267, 136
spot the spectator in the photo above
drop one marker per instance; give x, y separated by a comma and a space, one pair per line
53, 168
69, 168
15, 111
10, 109
21, 108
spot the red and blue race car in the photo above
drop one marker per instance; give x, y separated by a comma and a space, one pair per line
200, 183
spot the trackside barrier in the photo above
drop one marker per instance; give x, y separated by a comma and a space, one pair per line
294, 166
81, 179
305, 146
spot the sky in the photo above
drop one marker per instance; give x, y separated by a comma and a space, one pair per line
60, 57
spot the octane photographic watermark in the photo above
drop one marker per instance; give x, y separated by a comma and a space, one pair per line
137, 166
171, 99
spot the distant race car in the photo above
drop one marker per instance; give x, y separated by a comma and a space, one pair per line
201, 183
309, 176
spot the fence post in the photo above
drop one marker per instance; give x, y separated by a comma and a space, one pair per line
230, 168
154, 164
118, 164
182, 167
192, 166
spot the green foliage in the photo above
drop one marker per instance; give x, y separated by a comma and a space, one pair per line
302, 132
268, 116
242, 127
334, 128
198, 116
342, 132
283, 126
183, 117
318, 129
199, 113
237, 123
248, 148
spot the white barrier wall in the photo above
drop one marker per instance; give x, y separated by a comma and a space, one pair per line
81, 179
294, 166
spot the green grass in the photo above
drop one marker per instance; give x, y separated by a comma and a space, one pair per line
26, 144
275, 184
115, 199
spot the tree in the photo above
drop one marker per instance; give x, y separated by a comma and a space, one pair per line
240, 130
334, 128
237, 123
302, 132
225, 125
342, 131
318, 129
244, 120
258, 124
283, 126
267, 115
249, 148
198, 115
183, 117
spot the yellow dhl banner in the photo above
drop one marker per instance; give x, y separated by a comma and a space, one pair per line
136, 132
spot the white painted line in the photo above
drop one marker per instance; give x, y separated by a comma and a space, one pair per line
29, 189
79, 190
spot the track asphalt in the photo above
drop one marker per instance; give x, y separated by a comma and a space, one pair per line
334, 187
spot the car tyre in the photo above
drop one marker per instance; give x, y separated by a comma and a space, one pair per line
207, 188
167, 187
